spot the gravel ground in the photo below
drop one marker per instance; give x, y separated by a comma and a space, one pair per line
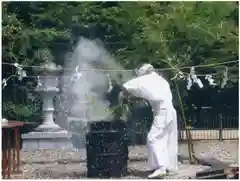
63, 164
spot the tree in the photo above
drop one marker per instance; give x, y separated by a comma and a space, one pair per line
167, 34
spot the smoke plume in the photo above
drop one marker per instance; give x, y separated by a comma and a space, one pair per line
90, 88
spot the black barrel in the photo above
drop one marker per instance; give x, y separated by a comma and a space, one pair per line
107, 149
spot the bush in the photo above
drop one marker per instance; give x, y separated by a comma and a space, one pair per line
30, 113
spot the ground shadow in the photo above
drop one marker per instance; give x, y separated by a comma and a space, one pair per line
139, 173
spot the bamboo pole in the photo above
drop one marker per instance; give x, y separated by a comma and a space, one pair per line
191, 151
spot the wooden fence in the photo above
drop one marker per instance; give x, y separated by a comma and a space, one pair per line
208, 124
205, 124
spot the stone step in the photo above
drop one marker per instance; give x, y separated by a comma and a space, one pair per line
49, 140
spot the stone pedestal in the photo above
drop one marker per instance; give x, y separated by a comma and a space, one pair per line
47, 140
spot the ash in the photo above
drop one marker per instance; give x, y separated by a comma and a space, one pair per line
63, 164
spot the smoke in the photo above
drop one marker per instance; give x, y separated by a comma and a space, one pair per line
90, 88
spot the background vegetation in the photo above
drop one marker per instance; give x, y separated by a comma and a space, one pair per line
166, 34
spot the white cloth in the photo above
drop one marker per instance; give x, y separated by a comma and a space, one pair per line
162, 138
152, 87
144, 69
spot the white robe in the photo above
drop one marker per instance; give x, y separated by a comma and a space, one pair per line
162, 140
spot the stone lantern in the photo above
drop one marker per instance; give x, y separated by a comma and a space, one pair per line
47, 87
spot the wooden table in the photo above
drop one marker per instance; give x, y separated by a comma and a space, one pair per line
11, 148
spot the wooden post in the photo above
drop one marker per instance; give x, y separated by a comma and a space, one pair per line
14, 150
4, 154
220, 116
9, 159
220, 127
179, 128
18, 149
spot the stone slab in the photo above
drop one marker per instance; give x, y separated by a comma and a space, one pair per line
46, 135
48, 140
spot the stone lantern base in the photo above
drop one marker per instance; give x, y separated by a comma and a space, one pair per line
48, 128
39, 140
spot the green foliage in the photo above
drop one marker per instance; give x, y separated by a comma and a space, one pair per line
166, 34
19, 112
191, 32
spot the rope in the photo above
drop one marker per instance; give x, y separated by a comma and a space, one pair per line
67, 76
129, 70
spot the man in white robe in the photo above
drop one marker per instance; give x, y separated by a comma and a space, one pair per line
162, 140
